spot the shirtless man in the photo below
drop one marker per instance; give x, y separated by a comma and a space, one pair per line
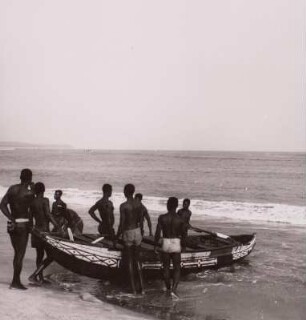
106, 212
69, 219
144, 212
64, 217
73, 221
18, 198
184, 212
58, 207
174, 233
40, 212
130, 226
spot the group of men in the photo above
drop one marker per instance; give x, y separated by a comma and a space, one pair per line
24, 204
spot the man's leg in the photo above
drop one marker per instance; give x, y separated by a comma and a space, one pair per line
38, 272
19, 240
165, 257
129, 255
39, 256
176, 259
139, 267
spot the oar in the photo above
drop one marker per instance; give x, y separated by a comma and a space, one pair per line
97, 240
223, 237
70, 234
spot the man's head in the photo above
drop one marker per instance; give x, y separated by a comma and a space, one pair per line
26, 175
58, 194
107, 189
39, 188
186, 203
172, 203
129, 190
138, 196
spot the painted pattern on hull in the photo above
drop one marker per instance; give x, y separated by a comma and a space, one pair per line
111, 258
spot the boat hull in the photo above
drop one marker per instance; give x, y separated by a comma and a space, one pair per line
101, 261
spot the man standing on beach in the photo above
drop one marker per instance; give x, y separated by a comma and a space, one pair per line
18, 198
40, 212
106, 210
144, 212
184, 212
174, 233
131, 226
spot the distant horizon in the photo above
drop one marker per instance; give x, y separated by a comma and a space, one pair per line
27, 145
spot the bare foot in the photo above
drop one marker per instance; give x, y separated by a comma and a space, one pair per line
33, 279
18, 286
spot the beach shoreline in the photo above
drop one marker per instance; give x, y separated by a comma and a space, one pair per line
231, 293
47, 302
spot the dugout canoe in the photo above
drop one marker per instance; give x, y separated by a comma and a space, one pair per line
94, 257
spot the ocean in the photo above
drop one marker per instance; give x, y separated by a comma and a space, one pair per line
237, 185
230, 192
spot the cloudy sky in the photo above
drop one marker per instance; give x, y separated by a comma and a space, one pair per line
155, 74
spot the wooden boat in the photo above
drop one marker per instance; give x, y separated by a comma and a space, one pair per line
94, 256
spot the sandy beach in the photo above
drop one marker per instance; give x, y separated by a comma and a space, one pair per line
269, 285
44, 302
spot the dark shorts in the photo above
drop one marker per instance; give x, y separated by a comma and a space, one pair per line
18, 228
19, 237
36, 242
105, 230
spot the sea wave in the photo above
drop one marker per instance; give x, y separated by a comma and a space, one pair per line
201, 209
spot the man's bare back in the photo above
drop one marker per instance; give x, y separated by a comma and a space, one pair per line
172, 226
40, 210
131, 215
19, 197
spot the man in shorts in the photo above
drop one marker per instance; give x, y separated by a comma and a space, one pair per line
70, 220
40, 213
174, 231
106, 211
130, 227
15, 206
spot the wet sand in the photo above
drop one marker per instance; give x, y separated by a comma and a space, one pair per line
270, 284
49, 301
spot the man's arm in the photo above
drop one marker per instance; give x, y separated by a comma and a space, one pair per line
147, 217
4, 206
189, 216
121, 222
46, 207
157, 234
92, 213
110, 218
53, 208
184, 234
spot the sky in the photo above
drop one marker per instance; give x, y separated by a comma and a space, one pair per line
155, 74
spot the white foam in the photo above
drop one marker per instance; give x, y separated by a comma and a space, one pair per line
256, 212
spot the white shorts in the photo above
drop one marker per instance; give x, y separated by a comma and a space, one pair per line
171, 245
